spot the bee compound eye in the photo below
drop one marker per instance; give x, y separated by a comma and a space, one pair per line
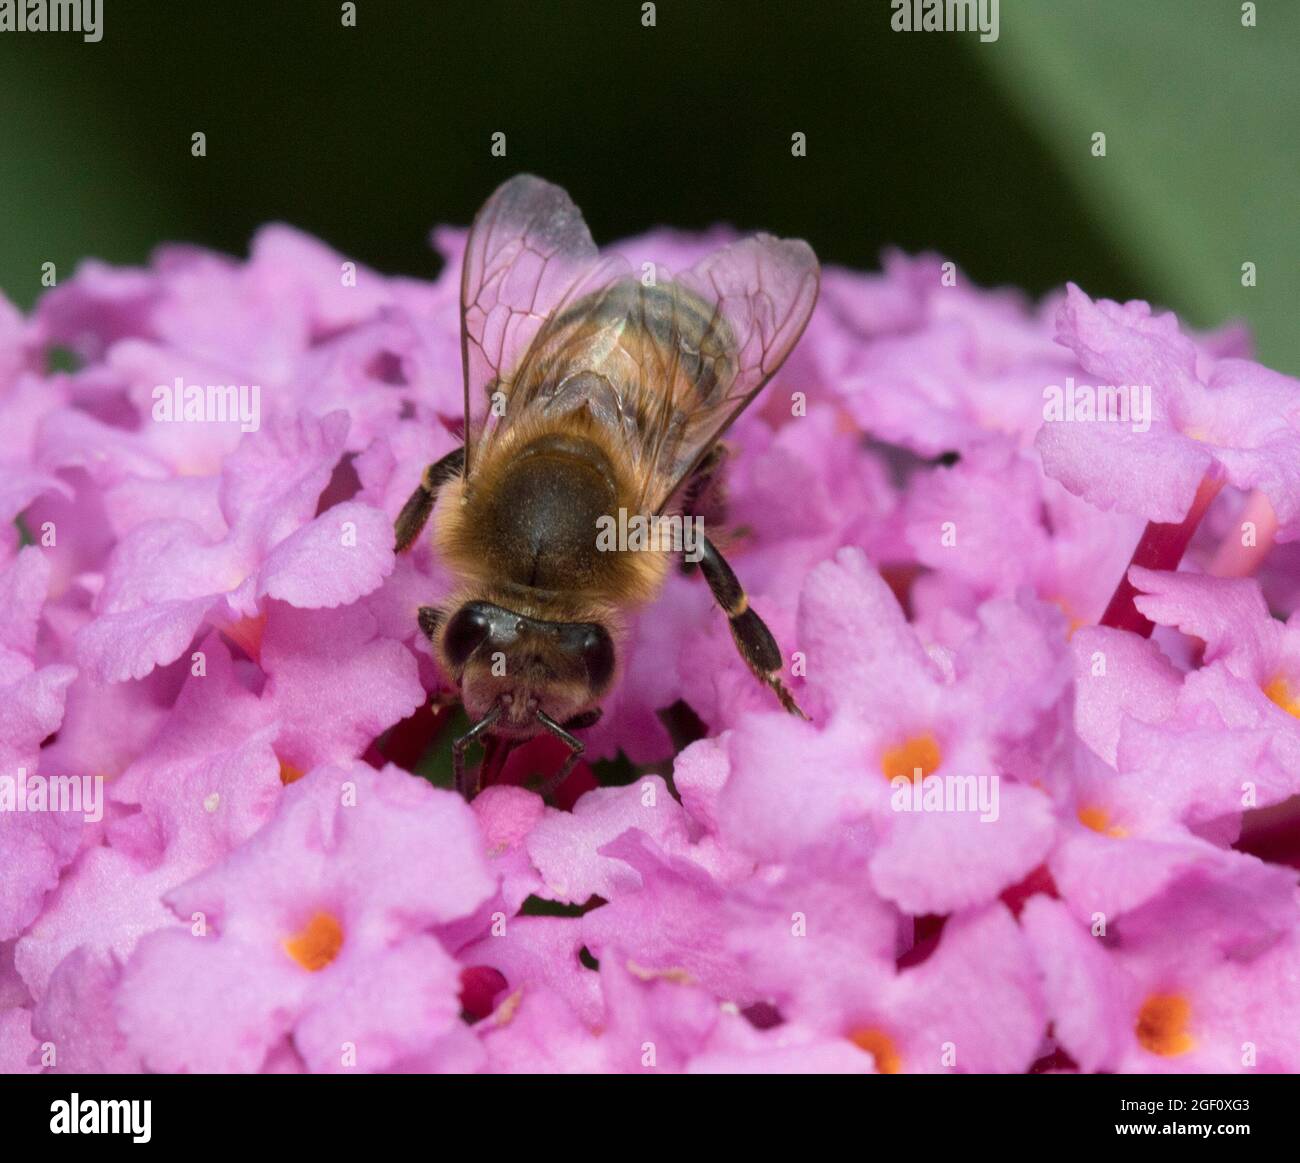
465, 633
598, 654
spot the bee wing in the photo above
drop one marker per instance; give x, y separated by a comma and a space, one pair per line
760, 293
528, 254
669, 364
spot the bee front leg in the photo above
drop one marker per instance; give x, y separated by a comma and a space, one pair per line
752, 637
419, 504
576, 746
458, 753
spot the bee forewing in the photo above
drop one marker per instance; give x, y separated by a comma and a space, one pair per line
763, 291
529, 253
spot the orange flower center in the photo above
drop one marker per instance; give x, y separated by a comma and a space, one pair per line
1098, 819
881, 1047
918, 754
290, 774
247, 634
1072, 621
1279, 692
318, 944
1162, 1025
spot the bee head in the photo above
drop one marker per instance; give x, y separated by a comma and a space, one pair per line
525, 665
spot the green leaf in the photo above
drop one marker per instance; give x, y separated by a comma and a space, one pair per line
1202, 142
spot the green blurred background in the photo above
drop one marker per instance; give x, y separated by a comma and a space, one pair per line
367, 136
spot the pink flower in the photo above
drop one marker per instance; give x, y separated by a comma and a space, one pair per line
36, 845
1228, 414
1148, 1004
1003, 790
958, 522
274, 548
320, 927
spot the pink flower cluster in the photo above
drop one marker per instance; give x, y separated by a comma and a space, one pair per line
203, 617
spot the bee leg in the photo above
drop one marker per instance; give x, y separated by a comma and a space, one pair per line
576, 748
419, 505
458, 753
702, 495
706, 475
753, 639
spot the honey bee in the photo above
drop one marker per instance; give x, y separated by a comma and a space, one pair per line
590, 390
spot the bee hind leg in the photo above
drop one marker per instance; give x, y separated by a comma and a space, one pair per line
419, 504
753, 639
